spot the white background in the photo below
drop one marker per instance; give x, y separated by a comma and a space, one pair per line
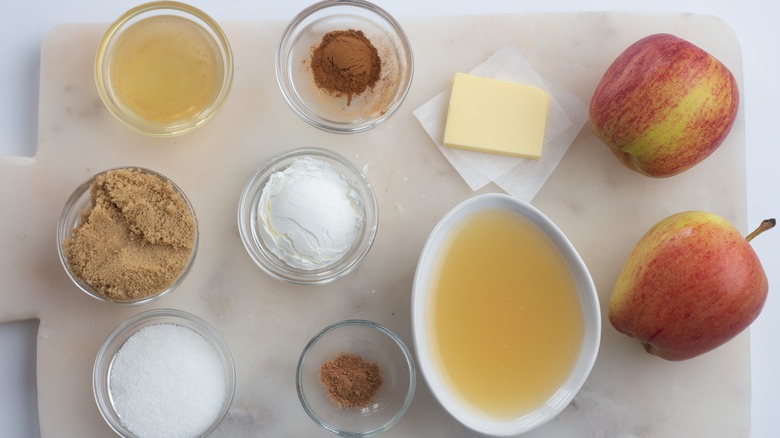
25, 24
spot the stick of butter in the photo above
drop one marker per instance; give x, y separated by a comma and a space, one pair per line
491, 115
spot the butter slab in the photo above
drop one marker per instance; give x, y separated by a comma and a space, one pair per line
495, 116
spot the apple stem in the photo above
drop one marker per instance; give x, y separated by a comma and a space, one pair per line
765, 225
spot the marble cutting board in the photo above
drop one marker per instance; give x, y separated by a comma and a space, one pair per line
603, 208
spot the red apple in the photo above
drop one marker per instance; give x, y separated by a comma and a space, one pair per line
664, 105
691, 284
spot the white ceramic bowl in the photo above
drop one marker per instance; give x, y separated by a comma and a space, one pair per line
589, 304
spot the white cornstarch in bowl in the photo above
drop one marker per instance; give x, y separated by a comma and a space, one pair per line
167, 381
307, 216
311, 214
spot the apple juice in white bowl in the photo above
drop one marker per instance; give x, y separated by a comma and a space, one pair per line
505, 316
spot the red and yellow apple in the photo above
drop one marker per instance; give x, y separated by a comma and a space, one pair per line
664, 105
691, 284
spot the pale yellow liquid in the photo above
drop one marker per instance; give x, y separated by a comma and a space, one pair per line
506, 321
165, 69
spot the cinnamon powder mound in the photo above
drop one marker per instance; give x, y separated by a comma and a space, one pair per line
345, 62
351, 381
135, 239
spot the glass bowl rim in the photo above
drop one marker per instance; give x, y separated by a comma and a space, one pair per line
63, 231
136, 323
199, 17
301, 109
379, 328
268, 261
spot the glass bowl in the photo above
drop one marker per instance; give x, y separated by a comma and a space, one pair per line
105, 364
171, 97
252, 228
439, 382
336, 112
373, 343
70, 218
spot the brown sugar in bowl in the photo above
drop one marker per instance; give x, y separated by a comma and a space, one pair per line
127, 236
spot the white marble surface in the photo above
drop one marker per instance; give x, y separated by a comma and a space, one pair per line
593, 405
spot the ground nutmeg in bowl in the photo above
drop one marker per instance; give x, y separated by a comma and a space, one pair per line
136, 237
351, 381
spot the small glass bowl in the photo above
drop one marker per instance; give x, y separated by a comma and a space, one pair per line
373, 343
249, 224
70, 218
217, 41
322, 109
101, 372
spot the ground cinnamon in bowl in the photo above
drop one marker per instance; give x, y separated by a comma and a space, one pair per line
134, 240
351, 381
346, 63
